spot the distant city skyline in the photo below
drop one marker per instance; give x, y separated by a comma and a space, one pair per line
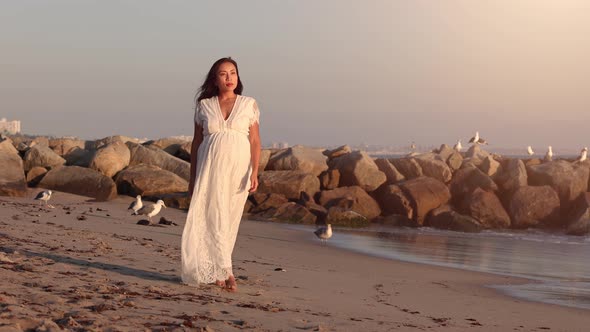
378, 72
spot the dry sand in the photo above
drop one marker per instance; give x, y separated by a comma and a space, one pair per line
87, 266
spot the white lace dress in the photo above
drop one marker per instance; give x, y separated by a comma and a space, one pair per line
221, 189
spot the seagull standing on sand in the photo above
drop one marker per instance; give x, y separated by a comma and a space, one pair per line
583, 155
136, 205
549, 154
44, 196
529, 150
152, 209
324, 233
458, 147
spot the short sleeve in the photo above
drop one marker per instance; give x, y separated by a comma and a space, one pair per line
198, 119
255, 118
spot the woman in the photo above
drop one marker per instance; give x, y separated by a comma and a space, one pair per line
224, 168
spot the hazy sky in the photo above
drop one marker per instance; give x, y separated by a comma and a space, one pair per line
323, 72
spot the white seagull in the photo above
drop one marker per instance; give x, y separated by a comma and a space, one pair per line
549, 154
458, 146
324, 232
529, 150
475, 139
583, 155
136, 205
44, 196
152, 209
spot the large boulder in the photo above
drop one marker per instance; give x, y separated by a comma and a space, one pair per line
263, 162
486, 207
358, 169
447, 219
490, 166
455, 160
445, 151
294, 213
476, 152
579, 219
338, 216
110, 159
425, 194
512, 176
466, 180
533, 206
184, 151
94, 145
149, 180
433, 166
7, 146
288, 183
392, 200
329, 179
356, 200
265, 202
337, 152
80, 181
170, 145
12, 174
35, 174
157, 157
299, 158
408, 167
63, 146
567, 179
41, 155
391, 173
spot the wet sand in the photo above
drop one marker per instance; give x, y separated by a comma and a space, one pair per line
87, 265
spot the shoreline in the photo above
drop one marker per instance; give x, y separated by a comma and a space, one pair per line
126, 275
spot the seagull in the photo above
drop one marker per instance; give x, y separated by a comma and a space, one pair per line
136, 205
529, 150
413, 146
458, 146
549, 154
324, 233
583, 155
44, 196
151, 210
475, 139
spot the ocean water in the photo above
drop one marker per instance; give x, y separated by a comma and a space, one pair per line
557, 265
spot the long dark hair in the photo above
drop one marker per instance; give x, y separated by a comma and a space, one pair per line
209, 89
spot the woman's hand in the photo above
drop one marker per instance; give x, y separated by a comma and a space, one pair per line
253, 182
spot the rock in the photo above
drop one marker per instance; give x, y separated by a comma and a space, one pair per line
63, 146
568, 180
270, 201
170, 145
79, 157
476, 152
288, 183
263, 162
485, 207
80, 181
359, 201
184, 151
392, 200
391, 173
512, 176
41, 155
445, 151
396, 221
579, 219
425, 194
248, 207
149, 180
294, 213
108, 140
434, 167
111, 158
176, 200
6, 146
358, 169
299, 158
156, 157
408, 167
12, 174
455, 161
533, 162
533, 206
489, 166
338, 216
453, 221
337, 152
35, 175
329, 179
466, 180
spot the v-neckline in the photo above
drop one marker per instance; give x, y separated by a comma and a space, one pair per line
230, 112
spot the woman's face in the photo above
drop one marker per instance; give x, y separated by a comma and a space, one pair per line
227, 77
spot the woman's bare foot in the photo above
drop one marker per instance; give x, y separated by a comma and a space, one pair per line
220, 283
231, 285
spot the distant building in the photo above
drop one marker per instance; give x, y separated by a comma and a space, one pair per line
10, 127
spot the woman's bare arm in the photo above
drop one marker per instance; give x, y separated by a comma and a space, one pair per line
255, 155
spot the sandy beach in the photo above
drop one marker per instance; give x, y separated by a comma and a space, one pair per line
88, 266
